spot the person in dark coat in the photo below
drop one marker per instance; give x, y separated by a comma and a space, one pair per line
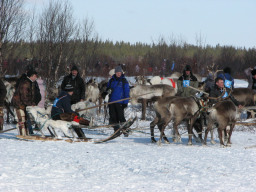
61, 110
186, 79
220, 90
2, 98
77, 82
228, 79
38, 96
25, 95
118, 87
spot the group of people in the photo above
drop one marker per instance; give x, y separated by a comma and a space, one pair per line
219, 87
27, 93
73, 90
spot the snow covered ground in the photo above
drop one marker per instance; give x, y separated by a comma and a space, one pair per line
128, 164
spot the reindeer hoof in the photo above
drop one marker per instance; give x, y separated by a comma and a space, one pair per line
222, 146
153, 141
159, 143
189, 143
213, 142
167, 142
228, 145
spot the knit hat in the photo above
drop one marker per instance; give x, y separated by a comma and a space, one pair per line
74, 68
118, 69
69, 88
31, 73
253, 72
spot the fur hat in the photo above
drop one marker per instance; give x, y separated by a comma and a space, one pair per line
188, 68
31, 73
69, 88
118, 69
253, 72
74, 68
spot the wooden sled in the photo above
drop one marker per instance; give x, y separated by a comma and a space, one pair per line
246, 123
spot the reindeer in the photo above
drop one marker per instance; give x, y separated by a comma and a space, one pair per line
154, 93
10, 88
102, 95
245, 96
92, 91
176, 109
223, 114
156, 80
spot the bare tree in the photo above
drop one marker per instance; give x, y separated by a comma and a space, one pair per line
12, 20
56, 29
89, 39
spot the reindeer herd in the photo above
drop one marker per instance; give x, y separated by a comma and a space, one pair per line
167, 106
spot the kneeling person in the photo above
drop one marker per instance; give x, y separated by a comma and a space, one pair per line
61, 110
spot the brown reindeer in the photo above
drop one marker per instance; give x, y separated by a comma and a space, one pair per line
245, 96
176, 109
223, 114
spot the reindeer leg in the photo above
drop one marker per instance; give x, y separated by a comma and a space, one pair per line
209, 127
176, 137
190, 131
152, 126
197, 127
144, 106
164, 136
162, 128
230, 133
212, 138
221, 137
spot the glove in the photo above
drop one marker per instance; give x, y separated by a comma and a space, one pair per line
124, 105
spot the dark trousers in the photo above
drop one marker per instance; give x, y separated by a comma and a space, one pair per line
116, 113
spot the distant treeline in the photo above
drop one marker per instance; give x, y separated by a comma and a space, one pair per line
157, 59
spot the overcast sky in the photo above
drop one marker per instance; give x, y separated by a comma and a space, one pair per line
224, 22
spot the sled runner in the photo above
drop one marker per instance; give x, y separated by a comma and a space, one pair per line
124, 129
49, 138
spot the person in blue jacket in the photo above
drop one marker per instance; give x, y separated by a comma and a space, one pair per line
61, 110
118, 88
227, 78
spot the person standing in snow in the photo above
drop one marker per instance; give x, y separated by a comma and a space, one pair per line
77, 83
118, 88
25, 95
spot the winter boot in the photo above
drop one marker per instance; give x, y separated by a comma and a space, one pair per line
22, 129
79, 133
